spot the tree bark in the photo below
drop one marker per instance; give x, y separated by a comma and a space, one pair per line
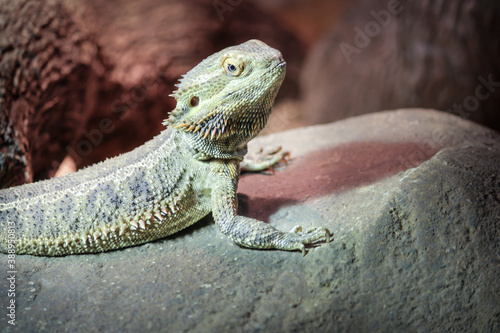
47, 85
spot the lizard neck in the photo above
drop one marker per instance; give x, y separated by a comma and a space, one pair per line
204, 150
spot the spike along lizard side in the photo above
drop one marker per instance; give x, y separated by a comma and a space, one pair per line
187, 171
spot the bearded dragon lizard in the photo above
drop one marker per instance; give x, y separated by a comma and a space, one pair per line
187, 171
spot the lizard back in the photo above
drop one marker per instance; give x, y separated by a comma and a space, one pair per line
108, 205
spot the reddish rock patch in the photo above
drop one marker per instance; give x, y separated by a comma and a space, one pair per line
328, 171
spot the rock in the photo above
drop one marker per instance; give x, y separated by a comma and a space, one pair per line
412, 198
389, 54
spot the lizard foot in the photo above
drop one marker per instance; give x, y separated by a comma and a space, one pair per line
264, 161
296, 239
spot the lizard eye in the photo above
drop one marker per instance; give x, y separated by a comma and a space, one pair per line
233, 66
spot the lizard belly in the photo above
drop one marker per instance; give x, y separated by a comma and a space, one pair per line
108, 217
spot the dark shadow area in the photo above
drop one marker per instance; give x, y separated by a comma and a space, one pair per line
328, 171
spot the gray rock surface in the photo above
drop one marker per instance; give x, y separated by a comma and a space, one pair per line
412, 198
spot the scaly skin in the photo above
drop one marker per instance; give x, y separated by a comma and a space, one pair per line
172, 181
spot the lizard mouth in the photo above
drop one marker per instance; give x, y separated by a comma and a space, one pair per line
281, 63
258, 120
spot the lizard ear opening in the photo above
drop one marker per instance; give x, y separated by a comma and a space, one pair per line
194, 101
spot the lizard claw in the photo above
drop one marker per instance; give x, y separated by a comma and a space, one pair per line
296, 239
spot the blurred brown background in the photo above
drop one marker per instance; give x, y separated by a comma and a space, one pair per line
89, 80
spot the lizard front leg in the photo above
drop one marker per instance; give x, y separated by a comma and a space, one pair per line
249, 232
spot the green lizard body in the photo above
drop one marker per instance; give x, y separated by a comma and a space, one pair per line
169, 183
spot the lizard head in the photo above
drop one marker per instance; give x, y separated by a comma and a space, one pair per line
226, 100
